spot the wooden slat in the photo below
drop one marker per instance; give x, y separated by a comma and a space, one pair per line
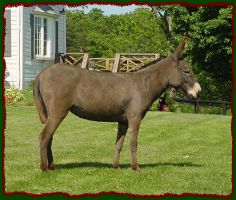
67, 61
157, 56
85, 61
116, 63
101, 64
138, 54
75, 53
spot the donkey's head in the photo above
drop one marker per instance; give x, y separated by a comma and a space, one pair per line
181, 76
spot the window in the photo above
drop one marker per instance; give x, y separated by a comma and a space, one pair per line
44, 33
41, 37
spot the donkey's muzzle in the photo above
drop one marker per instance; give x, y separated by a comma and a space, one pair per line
195, 90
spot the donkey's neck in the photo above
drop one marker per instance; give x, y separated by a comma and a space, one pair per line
156, 78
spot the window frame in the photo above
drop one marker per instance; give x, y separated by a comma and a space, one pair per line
40, 54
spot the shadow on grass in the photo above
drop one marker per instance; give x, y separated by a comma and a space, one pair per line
123, 166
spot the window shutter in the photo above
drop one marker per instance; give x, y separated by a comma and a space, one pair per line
8, 33
32, 34
56, 38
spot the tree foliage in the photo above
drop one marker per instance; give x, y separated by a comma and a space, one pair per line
100, 35
209, 30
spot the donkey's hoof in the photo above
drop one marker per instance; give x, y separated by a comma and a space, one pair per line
52, 166
116, 166
135, 167
44, 168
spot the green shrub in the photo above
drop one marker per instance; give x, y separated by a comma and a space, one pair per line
19, 97
13, 95
171, 103
28, 97
186, 107
154, 106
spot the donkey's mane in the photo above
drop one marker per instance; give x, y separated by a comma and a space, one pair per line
154, 62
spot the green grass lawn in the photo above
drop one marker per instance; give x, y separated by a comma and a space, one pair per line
178, 153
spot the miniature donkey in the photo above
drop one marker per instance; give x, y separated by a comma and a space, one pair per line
111, 97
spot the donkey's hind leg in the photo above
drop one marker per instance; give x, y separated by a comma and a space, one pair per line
122, 129
46, 139
51, 165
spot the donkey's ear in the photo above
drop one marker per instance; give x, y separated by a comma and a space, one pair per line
180, 48
174, 57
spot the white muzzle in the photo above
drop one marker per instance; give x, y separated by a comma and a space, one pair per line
194, 90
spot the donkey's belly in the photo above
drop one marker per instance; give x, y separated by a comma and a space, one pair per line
114, 116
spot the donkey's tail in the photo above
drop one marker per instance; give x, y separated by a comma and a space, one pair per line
40, 106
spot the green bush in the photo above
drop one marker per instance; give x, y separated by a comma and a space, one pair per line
171, 103
13, 95
19, 97
28, 97
154, 106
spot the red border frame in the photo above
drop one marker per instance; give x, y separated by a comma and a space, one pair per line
118, 193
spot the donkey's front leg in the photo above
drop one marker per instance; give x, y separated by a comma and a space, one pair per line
122, 129
134, 124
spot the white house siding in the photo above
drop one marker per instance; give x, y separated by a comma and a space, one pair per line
12, 62
31, 67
